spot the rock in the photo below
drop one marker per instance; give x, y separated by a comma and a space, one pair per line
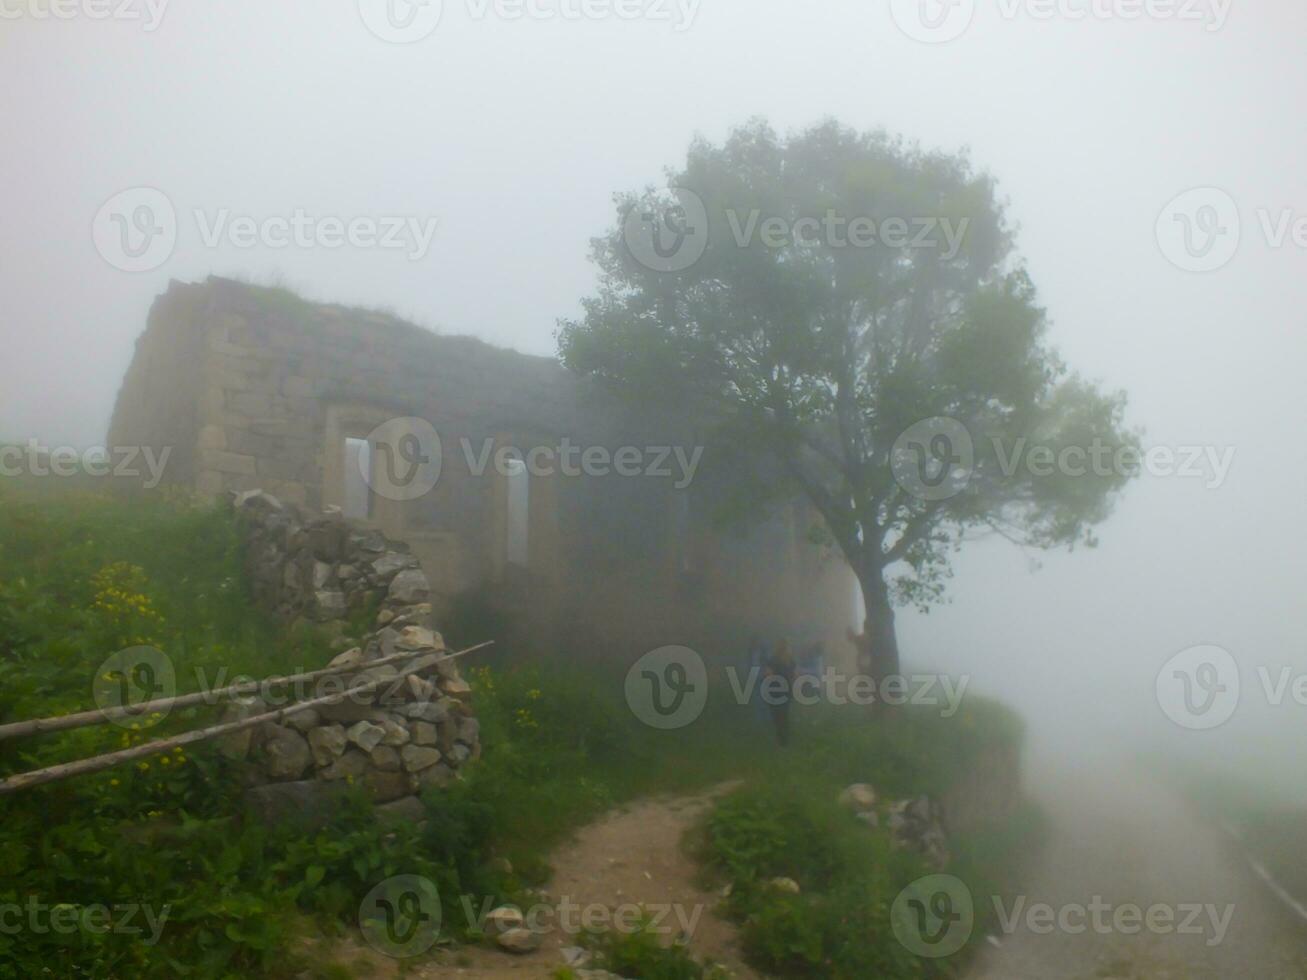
456, 688
502, 919
384, 617
304, 721
575, 956
419, 757
256, 502
870, 817
328, 604
408, 587
371, 541
391, 564
347, 573
320, 575
412, 615
386, 672
917, 825
423, 664
787, 886
396, 734
384, 787
286, 752
419, 688
430, 711
423, 733
366, 735
467, 730
858, 797
419, 638
351, 708
385, 757
519, 941
237, 745
350, 765
439, 775
327, 744
460, 753
325, 540
349, 658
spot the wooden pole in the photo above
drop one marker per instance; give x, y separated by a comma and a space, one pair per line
99, 716
98, 763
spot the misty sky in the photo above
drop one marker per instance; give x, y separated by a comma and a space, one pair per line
513, 134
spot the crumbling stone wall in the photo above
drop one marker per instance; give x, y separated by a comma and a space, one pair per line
416, 730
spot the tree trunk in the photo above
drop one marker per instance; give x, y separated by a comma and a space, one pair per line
879, 628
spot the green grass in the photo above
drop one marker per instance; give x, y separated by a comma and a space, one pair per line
84, 574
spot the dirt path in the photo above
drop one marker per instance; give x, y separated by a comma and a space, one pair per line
1127, 840
632, 856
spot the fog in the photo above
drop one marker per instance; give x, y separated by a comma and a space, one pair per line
513, 135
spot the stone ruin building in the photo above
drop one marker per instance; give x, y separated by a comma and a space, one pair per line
255, 388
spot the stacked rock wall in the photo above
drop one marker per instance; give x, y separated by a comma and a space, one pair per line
416, 729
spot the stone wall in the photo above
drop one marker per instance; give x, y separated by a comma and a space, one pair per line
416, 730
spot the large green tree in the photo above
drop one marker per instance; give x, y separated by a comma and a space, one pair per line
851, 307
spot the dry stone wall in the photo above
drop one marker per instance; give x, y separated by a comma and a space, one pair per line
416, 730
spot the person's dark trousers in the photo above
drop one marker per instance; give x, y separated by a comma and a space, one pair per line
780, 717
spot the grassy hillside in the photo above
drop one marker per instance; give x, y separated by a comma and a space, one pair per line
83, 575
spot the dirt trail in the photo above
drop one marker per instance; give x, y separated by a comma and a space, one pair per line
631, 855
1117, 835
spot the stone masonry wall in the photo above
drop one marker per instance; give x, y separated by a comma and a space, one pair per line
416, 730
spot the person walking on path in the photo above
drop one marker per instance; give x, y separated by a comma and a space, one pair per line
780, 665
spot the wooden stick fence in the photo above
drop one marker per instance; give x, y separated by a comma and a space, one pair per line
108, 760
99, 716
